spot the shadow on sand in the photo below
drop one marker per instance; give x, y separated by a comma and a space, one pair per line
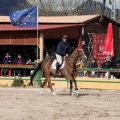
80, 95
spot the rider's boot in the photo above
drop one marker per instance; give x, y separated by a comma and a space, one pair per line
57, 70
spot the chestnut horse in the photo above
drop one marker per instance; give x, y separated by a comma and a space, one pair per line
69, 71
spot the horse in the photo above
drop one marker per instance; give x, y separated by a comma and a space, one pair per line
69, 71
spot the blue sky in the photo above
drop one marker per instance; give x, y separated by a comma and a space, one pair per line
107, 3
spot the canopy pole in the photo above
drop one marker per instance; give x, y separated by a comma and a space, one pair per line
37, 33
41, 46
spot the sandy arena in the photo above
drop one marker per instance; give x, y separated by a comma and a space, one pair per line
28, 104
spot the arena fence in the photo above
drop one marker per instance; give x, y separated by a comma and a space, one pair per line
39, 78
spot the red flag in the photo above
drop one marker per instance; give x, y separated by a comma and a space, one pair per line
108, 47
79, 44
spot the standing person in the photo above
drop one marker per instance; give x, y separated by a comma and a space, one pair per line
63, 49
19, 60
7, 60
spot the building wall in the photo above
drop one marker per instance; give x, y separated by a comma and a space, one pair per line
18, 37
98, 28
57, 34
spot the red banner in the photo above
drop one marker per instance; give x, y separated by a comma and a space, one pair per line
109, 48
98, 47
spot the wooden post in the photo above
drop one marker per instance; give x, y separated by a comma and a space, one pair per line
80, 39
41, 46
119, 42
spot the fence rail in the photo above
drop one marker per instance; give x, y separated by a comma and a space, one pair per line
39, 78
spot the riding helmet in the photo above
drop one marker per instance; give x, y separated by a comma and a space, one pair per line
64, 37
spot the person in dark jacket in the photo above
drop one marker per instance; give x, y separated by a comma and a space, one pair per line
63, 49
94, 65
7, 60
19, 60
106, 64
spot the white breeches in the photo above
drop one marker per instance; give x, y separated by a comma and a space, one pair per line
59, 59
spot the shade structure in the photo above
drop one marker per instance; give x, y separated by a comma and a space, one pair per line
109, 47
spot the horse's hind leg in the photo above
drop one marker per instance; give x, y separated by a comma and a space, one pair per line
42, 85
50, 85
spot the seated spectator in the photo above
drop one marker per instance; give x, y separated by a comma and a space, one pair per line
28, 61
106, 64
7, 60
26, 57
88, 73
19, 60
47, 56
117, 74
94, 65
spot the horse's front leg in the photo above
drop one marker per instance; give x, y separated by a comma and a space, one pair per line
71, 86
76, 88
72, 80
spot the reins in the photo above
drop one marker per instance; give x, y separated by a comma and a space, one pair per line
76, 56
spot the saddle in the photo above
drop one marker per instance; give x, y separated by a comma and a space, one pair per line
54, 64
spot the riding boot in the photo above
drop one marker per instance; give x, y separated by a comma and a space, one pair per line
57, 70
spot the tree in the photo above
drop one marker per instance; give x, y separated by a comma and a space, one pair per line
60, 7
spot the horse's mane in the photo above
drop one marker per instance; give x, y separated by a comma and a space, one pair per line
72, 50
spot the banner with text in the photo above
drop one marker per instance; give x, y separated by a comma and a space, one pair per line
98, 47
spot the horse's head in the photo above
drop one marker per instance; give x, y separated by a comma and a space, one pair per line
82, 56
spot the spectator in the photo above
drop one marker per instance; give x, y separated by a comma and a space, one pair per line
47, 56
117, 74
19, 60
7, 60
88, 73
26, 57
94, 65
106, 64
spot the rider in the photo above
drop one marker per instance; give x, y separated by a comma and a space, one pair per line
63, 50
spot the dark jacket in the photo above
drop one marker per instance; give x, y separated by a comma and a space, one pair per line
107, 64
94, 65
7, 60
63, 48
17, 59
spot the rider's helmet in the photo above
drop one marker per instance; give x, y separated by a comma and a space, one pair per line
64, 37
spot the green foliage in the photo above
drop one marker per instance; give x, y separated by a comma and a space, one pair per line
17, 83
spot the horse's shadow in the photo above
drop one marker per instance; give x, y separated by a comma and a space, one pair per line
80, 95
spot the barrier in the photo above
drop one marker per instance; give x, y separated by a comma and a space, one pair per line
98, 83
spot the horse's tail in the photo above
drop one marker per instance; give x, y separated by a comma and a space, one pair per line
34, 73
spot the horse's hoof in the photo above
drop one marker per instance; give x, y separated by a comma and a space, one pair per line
41, 92
30, 84
76, 91
54, 93
71, 94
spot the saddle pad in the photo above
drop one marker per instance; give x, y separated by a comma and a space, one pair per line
54, 64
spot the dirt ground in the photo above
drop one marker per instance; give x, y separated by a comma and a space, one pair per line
28, 104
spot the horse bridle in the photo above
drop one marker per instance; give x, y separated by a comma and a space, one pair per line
78, 55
